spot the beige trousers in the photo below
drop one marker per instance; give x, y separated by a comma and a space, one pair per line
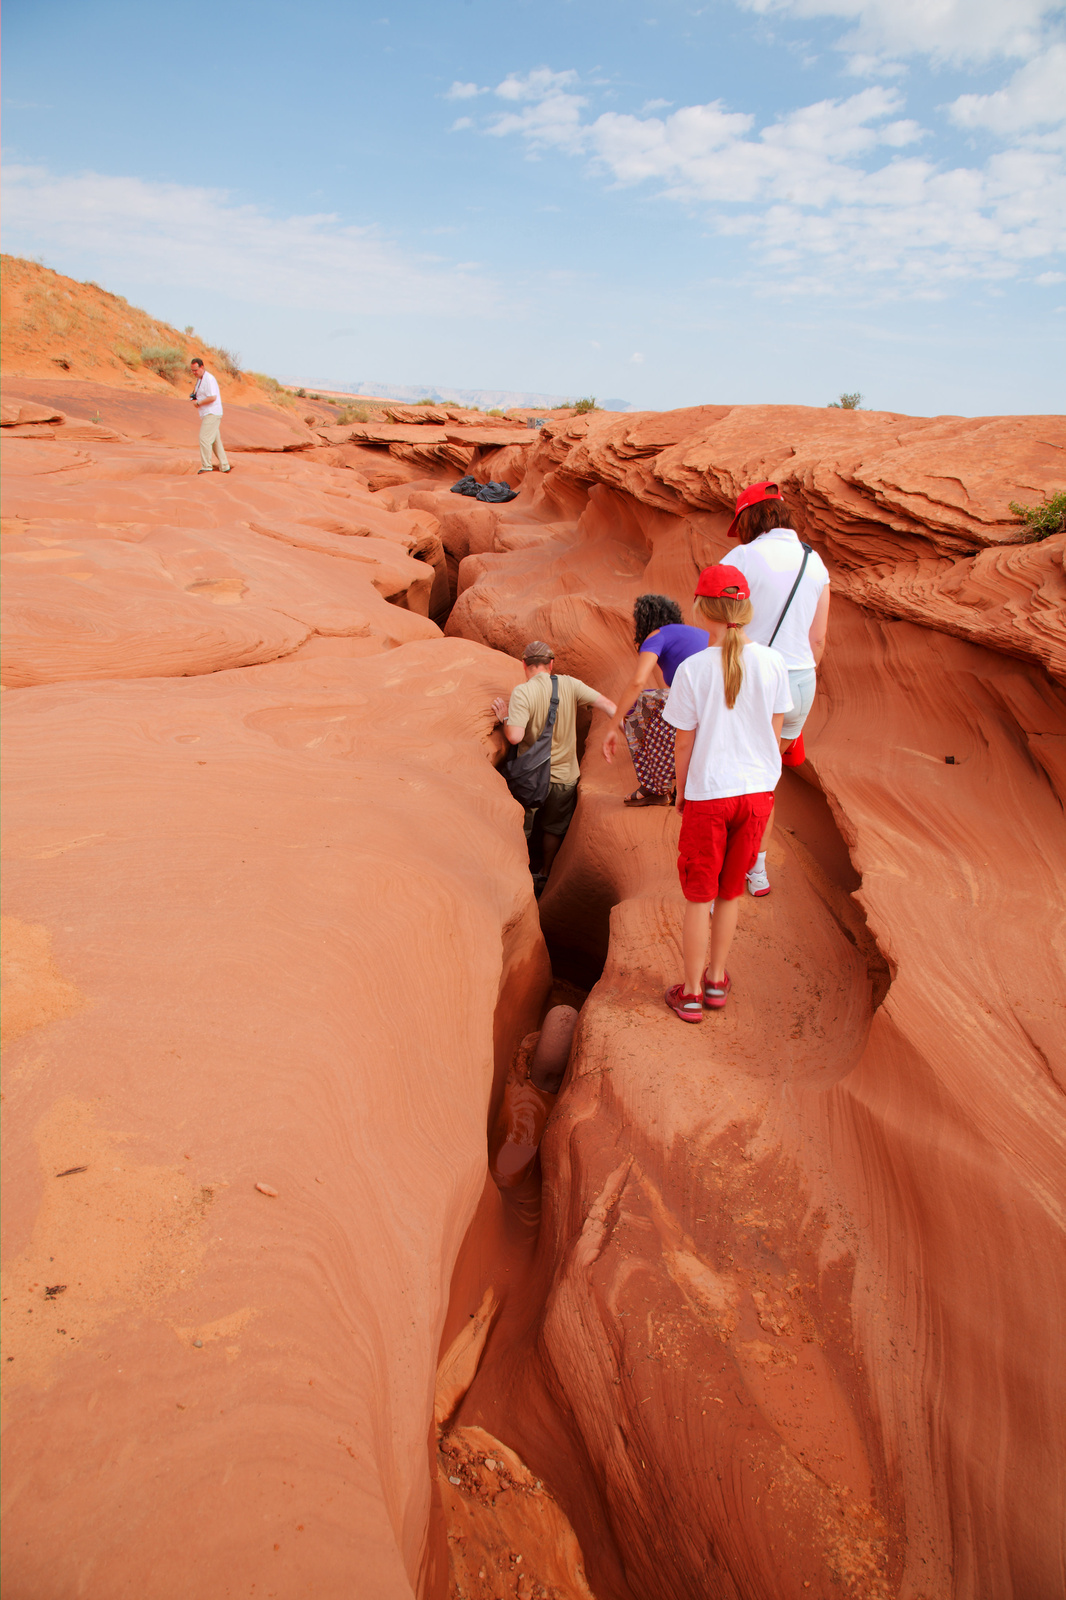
211, 437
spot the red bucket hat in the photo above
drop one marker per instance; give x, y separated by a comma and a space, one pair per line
723, 583
751, 497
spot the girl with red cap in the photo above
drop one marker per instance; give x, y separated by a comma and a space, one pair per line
789, 587
727, 705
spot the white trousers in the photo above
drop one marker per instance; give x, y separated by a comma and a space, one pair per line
210, 437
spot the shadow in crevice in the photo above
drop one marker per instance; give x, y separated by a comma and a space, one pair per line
805, 816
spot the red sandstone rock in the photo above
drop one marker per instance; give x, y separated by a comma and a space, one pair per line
237, 875
797, 1297
797, 1291
105, 576
902, 508
15, 412
165, 418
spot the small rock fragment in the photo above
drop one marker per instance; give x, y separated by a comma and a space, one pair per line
198, 1344
454, 1480
264, 1188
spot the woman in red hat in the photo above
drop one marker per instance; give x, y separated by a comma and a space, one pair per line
789, 587
727, 705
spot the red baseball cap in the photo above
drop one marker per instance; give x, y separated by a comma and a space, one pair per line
723, 583
751, 497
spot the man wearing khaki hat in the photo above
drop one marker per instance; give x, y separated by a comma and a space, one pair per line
524, 717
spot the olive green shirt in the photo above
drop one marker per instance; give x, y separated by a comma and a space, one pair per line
529, 706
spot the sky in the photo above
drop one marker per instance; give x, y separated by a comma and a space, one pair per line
746, 201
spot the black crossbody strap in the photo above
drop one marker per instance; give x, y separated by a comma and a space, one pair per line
807, 551
553, 708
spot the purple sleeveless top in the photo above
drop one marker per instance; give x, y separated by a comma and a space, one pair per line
674, 644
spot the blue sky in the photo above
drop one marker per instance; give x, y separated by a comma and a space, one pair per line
748, 200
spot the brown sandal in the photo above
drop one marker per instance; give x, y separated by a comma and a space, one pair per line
641, 797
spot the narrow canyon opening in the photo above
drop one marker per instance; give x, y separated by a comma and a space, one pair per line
501, 1523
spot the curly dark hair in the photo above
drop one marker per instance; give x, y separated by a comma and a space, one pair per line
651, 611
761, 517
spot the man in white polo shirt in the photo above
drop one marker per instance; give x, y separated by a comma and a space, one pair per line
207, 400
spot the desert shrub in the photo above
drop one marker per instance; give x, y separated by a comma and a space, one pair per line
348, 414
301, 394
587, 404
229, 362
495, 412
1043, 520
189, 328
127, 355
276, 393
163, 359
846, 402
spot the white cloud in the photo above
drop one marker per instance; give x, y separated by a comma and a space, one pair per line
1048, 278
947, 30
636, 359
535, 85
161, 233
460, 123
463, 91
867, 66
552, 111
826, 185
1034, 97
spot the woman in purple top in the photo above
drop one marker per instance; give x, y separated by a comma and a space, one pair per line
664, 642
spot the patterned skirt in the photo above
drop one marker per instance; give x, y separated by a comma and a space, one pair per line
651, 742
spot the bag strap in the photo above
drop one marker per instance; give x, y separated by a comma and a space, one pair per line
549, 721
548, 728
807, 552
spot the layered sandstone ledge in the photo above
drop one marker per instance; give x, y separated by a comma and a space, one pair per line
790, 1325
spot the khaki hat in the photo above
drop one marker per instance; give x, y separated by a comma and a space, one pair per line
537, 650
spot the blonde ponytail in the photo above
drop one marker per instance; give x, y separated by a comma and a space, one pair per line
736, 614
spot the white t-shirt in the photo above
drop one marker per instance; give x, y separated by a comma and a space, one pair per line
208, 388
770, 564
736, 752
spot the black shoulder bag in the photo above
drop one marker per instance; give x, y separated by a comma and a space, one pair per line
529, 775
807, 551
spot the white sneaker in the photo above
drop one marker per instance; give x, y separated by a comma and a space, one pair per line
758, 882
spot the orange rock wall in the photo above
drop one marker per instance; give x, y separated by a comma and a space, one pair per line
790, 1324
269, 941
801, 1274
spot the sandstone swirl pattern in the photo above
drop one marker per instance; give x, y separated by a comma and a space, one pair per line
793, 1322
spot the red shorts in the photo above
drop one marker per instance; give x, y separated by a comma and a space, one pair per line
719, 842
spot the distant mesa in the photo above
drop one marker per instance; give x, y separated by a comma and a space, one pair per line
484, 399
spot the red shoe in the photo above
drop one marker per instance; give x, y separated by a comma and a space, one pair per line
795, 755
689, 1007
715, 995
